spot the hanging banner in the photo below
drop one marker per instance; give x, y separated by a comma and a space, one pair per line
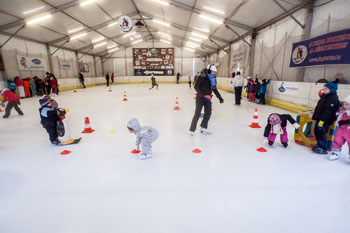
30, 63
328, 49
160, 61
65, 65
125, 23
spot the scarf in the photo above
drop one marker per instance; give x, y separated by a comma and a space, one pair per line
212, 79
342, 111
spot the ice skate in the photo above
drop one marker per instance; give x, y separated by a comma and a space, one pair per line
334, 155
205, 131
285, 144
270, 143
319, 150
144, 156
191, 132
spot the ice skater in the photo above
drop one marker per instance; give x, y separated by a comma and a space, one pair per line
205, 85
325, 115
343, 132
276, 124
13, 102
154, 84
49, 117
145, 136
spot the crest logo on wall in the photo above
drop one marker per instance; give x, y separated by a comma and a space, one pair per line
125, 23
299, 54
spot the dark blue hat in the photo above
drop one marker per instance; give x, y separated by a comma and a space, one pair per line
332, 86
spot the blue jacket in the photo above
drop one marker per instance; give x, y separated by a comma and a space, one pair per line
263, 86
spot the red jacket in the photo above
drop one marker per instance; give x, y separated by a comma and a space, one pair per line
53, 82
9, 96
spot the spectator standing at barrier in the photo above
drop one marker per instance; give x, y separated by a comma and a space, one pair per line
178, 78
325, 115
262, 91
237, 86
19, 85
47, 83
82, 80
189, 80
11, 86
54, 85
26, 86
107, 79
32, 86
205, 85
112, 78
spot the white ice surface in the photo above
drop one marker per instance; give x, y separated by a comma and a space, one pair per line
102, 188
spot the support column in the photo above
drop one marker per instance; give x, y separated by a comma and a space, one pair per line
95, 65
252, 54
49, 57
305, 36
77, 58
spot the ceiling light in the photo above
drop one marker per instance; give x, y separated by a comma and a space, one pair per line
165, 37
98, 39
137, 41
100, 44
189, 49
111, 46
112, 24
78, 36
164, 34
42, 18
129, 34
195, 39
192, 45
87, 2
112, 50
75, 30
199, 35
160, 22
134, 38
214, 10
33, 10
211, 19
161, 2
165, 41
206, 30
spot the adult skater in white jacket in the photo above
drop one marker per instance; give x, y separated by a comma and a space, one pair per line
237, 86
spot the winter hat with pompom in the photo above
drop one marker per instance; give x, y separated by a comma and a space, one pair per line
332, 86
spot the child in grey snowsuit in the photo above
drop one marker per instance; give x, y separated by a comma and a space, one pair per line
145, 136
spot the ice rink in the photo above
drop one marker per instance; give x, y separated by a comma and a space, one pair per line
102, 188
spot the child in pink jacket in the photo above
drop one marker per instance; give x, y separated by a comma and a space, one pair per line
343, 132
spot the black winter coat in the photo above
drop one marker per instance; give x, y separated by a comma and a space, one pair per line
284, 118
326, 108
51, 119
203, 86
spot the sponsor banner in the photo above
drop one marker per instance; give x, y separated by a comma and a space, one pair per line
289, 88
31, 63
160, 61
65, 65
331, 48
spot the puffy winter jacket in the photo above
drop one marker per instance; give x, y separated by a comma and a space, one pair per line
284, 118
9, 96
237, 81
326, 108
203, 86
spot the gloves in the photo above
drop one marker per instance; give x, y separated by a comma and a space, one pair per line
320, 124
207, 97
296, 125
221, 100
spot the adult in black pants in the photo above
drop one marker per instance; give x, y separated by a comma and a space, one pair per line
107, 79
205, 85
237, 84
47, 83
81, 79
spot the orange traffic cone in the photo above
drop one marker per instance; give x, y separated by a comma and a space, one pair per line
195, 96
255, 123
177, 104
125, 99
110, 89
87, 128
1, 110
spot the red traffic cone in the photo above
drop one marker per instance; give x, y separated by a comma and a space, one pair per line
255, 123
65, 152
110, 89
1, 110
125, 99
75, 90
177, 104
134, 151
87, 128
261, 149
195, 96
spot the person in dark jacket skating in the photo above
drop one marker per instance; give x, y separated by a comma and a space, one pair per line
154, 83
82, 80
49, 117
325, 115
276, 124
205, 85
